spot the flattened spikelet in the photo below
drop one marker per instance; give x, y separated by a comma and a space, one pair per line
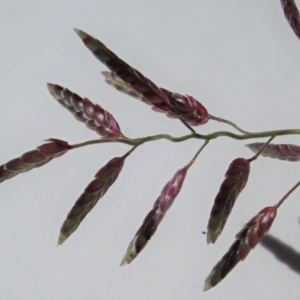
236, 179
96, 189
291, 13
93, 115
155, 216
287, 152
34, 159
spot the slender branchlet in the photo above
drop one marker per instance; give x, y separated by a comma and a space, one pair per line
221, 120
261, 149
277, 205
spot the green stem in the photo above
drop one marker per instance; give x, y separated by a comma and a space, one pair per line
287, 194
262, 149
221, 120
182, 120
197, 153
130, 151
214, 135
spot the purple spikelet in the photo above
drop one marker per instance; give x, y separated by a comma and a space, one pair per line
34, 159
235, 180
93, 115
155, 216
291, 13
96, 189
287, 152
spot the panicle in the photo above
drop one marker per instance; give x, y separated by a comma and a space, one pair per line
34, 159
130, 81
246, 240
93, 115
96, 189
235, 180
287, 152
155, 216
291, 13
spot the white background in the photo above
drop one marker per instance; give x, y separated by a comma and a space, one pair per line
238, 58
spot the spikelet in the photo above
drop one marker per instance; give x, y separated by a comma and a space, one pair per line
155, 216
34, 159
287, 152
246, 240
130, 81
96, 189
236, 179
93, 115
292, 15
